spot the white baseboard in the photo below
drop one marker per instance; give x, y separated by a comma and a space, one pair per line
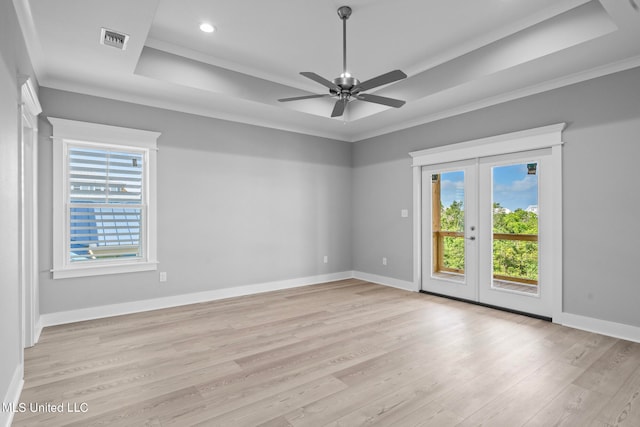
59, 318
613, 329
12, 396
387, 281
604, 327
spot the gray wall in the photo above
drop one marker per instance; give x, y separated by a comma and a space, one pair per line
13, 61
601, 196
237, 204
267, 205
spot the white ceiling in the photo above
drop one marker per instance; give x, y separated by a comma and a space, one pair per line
460, 55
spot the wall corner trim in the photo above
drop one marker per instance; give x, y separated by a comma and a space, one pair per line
12, 396
38, 331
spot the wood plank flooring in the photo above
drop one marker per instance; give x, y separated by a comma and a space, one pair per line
345, 353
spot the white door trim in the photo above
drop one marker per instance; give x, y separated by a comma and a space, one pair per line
515, 142
29, 110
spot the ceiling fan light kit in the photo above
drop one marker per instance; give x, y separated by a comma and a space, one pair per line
346, 87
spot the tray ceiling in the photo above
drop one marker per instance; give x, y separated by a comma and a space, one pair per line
459, 55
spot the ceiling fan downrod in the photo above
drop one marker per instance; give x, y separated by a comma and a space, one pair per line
344, 13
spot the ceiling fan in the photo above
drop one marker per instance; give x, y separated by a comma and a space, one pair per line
346, 87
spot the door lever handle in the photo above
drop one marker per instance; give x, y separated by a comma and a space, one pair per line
471, 237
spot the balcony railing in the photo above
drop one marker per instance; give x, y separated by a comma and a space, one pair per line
439, 252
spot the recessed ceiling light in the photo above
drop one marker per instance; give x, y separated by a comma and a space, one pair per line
207, 28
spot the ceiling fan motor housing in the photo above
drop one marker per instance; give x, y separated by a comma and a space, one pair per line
346, 83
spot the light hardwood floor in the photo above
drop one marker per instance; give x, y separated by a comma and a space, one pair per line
346, 353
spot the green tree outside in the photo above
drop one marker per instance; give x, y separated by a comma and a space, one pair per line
510, 258
452, 219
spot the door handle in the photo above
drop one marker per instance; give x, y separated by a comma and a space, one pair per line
471, 237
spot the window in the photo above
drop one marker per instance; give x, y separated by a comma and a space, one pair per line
105, 203
104, 199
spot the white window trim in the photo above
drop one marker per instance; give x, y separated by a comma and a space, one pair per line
71, 131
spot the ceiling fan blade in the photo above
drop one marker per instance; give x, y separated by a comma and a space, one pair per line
338, 109
383, 79
299, 98
390, 102
319, 79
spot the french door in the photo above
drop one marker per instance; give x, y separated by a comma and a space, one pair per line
450, 258
485, 230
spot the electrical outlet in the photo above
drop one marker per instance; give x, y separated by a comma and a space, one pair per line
326, 259
163, 276
384, 261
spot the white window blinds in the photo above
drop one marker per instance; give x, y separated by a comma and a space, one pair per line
106, 203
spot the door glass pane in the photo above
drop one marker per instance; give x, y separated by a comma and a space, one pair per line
515, 227
447, 193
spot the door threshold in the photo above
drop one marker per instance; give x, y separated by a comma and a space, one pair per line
495, 307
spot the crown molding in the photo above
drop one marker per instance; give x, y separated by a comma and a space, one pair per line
578, 77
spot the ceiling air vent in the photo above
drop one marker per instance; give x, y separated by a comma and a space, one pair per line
113, 39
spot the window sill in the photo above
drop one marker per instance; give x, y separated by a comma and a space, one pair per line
103, 269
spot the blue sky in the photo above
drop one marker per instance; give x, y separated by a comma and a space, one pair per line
451, 187
513, 188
